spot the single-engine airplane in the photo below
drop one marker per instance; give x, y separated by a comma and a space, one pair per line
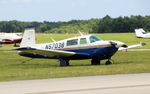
10, 38
76, 48
140, 33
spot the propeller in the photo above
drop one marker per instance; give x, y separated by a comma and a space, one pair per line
123, 46
117, 43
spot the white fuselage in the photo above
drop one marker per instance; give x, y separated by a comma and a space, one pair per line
81, 42
10, 37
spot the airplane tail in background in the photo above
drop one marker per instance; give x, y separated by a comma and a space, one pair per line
140, 32
28, 38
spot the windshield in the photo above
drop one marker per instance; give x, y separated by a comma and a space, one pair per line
94, 38
144, 32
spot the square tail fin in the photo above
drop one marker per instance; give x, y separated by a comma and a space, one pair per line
28, 38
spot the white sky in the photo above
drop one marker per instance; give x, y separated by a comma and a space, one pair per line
65, 10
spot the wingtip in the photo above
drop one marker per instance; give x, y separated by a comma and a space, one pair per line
143, 44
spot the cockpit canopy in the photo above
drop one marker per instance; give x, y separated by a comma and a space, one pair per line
144, 32
82, 40
94, 39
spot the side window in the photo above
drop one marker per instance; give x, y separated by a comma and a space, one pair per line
72, 42
83, 41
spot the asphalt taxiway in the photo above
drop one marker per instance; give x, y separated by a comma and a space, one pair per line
109, 84
138, 49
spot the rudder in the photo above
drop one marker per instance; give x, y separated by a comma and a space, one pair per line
140, 32
28, 38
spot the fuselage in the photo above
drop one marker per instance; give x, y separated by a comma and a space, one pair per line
146, 35
10, 38
89, 45
140, 33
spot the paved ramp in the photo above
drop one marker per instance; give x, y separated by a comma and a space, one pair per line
110, 84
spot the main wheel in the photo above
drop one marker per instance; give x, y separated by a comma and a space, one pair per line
64, 62
67, 63
95, 61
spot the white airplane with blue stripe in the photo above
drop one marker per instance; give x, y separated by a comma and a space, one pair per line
76, 48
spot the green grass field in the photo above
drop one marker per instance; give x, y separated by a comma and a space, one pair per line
14, 67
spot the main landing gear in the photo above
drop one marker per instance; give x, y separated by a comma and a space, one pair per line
96, 61
64, 62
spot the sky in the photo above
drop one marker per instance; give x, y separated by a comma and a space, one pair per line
66, 10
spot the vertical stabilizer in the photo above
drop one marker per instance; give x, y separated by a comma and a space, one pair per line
28, 38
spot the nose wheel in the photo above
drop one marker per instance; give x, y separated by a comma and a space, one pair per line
109, 62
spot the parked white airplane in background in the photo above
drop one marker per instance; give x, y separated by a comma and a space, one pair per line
140, 33
76, 48
10, 38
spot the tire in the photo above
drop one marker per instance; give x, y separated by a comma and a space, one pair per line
108, 63
64, 62
95, 61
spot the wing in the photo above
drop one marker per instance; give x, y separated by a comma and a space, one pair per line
49, 53
132, 46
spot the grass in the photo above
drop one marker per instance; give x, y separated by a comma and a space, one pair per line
12, 66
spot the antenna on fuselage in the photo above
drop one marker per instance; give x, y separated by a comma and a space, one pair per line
80, 33
53, 39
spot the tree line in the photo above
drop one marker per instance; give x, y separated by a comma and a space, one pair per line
99, 25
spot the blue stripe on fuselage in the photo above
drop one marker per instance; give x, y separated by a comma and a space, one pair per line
103, 52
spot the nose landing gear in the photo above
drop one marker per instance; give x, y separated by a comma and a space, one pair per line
109, 62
